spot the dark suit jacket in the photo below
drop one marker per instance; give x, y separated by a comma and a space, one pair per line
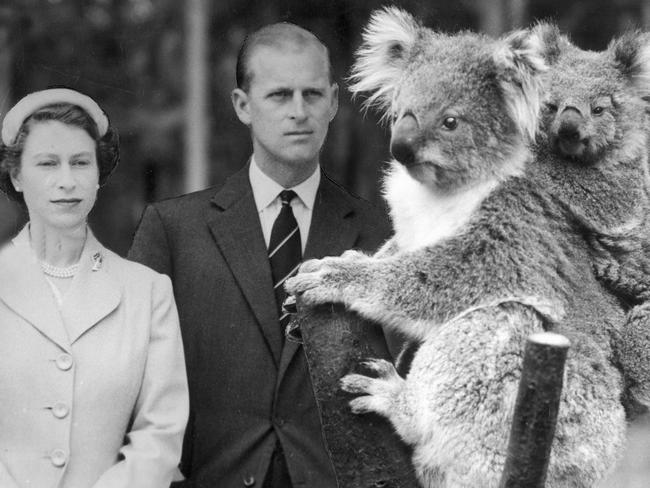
246, 389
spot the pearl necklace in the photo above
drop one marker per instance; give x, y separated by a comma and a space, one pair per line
56, 272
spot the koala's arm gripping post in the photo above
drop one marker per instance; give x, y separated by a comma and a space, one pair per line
535, 416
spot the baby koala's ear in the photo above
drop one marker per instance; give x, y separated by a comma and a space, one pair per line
631, 56
519, 65
388, 40
548, 41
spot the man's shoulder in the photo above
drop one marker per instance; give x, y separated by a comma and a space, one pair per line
355, 201
185, 202
232, 188
366, 214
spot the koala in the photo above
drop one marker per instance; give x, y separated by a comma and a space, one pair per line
483, 255
594, 122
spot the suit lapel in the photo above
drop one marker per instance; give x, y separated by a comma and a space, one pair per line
333, 228
93, 293
332, 232
237, 231
23, 289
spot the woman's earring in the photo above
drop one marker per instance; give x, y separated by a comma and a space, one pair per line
17, 188
97, 186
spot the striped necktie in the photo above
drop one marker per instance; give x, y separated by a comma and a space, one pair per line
285, 251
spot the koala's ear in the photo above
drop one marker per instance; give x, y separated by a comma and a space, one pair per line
547, 39
631, 55
519, 66
388, 40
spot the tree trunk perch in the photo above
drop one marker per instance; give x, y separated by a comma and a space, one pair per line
364, 449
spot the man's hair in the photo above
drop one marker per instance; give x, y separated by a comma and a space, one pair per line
275, 35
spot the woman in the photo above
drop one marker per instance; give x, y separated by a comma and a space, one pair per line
93, 391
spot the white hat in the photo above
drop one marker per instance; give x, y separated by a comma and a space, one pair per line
32, 102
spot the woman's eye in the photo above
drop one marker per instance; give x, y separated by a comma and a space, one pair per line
450, 123
47, 162
597, 110
81, 162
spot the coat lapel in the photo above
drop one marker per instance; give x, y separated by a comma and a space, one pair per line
333, 224
237, 231
23, 289
93, 293
332, 232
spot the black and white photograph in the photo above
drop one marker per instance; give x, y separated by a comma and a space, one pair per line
324, 244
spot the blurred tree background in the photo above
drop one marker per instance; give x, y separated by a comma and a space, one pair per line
163, 71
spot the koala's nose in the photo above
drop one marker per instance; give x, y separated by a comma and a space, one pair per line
404, 139
570, 126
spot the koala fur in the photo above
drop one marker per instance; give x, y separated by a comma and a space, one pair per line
595, 123
483, 255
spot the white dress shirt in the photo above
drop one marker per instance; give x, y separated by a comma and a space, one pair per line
266, 193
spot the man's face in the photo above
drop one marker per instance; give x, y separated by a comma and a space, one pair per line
289, 104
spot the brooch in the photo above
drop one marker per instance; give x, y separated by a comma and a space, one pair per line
97, 261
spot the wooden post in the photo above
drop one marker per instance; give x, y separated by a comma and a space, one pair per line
196, 95
364, 449
535, 416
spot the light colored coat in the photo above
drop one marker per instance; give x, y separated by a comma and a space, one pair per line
93, 394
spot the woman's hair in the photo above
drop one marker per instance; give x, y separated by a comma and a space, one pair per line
107, 152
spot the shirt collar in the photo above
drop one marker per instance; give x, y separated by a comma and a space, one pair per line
266, 189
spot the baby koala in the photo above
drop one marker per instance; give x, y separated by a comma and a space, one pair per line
622, 262
594, 123
483, 256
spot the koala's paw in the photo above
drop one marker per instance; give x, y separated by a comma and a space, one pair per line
379, 394
631, 348
353, 255
323, 280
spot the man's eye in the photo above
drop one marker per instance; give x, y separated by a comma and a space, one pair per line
598, 110
450, 123
279, 95
313, 94
81, 162
47, 162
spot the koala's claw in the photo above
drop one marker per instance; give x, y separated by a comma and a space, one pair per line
315, 288
355, 383
361, 405
353, 255
378, 395
311, 265
381, 367
289, 305
301, 283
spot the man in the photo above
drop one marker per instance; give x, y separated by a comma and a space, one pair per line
254, 420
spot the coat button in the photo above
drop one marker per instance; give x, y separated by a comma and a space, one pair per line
64, 362
58, 458
249, 480
279, 421
60, 410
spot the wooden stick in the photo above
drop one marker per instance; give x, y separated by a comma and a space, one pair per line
364, 449
535, 416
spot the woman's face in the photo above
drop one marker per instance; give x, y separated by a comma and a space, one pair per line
58, 175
